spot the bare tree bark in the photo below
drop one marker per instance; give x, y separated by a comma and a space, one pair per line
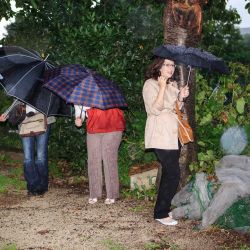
182, 26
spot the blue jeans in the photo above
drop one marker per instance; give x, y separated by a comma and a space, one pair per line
35, 150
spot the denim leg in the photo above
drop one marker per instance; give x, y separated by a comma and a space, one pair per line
41, 162
30, 173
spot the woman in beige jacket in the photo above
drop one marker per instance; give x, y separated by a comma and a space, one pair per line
160, 94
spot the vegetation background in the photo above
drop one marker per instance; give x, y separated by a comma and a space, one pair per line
116, 37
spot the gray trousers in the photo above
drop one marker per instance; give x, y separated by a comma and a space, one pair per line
103, 147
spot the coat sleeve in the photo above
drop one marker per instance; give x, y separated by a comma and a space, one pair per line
150, 93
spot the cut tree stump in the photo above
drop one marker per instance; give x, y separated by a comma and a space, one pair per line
143, 176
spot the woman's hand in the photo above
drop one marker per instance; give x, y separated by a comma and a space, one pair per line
3, 118
184, 93
78, 122
162, 81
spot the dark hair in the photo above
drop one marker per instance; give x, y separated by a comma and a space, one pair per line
153, 70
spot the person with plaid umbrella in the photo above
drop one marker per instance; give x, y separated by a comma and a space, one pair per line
104, 134
100, 100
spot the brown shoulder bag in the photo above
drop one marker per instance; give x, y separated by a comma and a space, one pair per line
185, 132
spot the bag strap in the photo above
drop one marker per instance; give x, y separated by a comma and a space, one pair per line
178, 112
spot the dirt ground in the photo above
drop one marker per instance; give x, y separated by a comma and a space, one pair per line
62, 219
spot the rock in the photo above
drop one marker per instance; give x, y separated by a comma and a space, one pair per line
233, 173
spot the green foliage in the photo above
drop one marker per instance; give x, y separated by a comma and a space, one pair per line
68, 143
54, 170
218, 107
5, 10
220, 35
247, 6
8, 140
132, 147
141, 193
115, 38
244, 247
237, 216
5, 101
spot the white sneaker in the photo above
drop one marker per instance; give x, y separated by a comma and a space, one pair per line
109, 201
92, 200
168, 221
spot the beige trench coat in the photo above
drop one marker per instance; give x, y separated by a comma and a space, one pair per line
161, 129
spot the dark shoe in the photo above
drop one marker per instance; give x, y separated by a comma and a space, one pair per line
32, 193
41, 192
36, 193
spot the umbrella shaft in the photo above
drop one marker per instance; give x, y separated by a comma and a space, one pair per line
11, 107
189, 72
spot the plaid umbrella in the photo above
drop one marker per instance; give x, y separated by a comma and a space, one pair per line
79, 85
21, 76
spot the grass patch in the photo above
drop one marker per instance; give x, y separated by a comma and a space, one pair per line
244, 247
7, 183
10, 175
137, 209
112, 245
8, 247
162, 244
152, 246
15, 172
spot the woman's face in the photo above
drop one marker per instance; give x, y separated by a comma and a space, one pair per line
167, 68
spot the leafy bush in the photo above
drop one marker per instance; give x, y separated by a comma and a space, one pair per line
220, 105
116, 39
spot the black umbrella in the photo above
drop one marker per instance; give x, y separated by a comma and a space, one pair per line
193, 57
21, 75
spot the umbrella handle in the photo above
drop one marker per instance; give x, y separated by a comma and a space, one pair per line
189, 72
81, 112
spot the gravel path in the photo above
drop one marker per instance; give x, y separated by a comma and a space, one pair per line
62, 219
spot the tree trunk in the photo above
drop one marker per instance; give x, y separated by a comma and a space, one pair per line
182, 26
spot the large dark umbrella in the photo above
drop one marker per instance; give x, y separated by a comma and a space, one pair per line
80, 85
21, 76
193, 57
